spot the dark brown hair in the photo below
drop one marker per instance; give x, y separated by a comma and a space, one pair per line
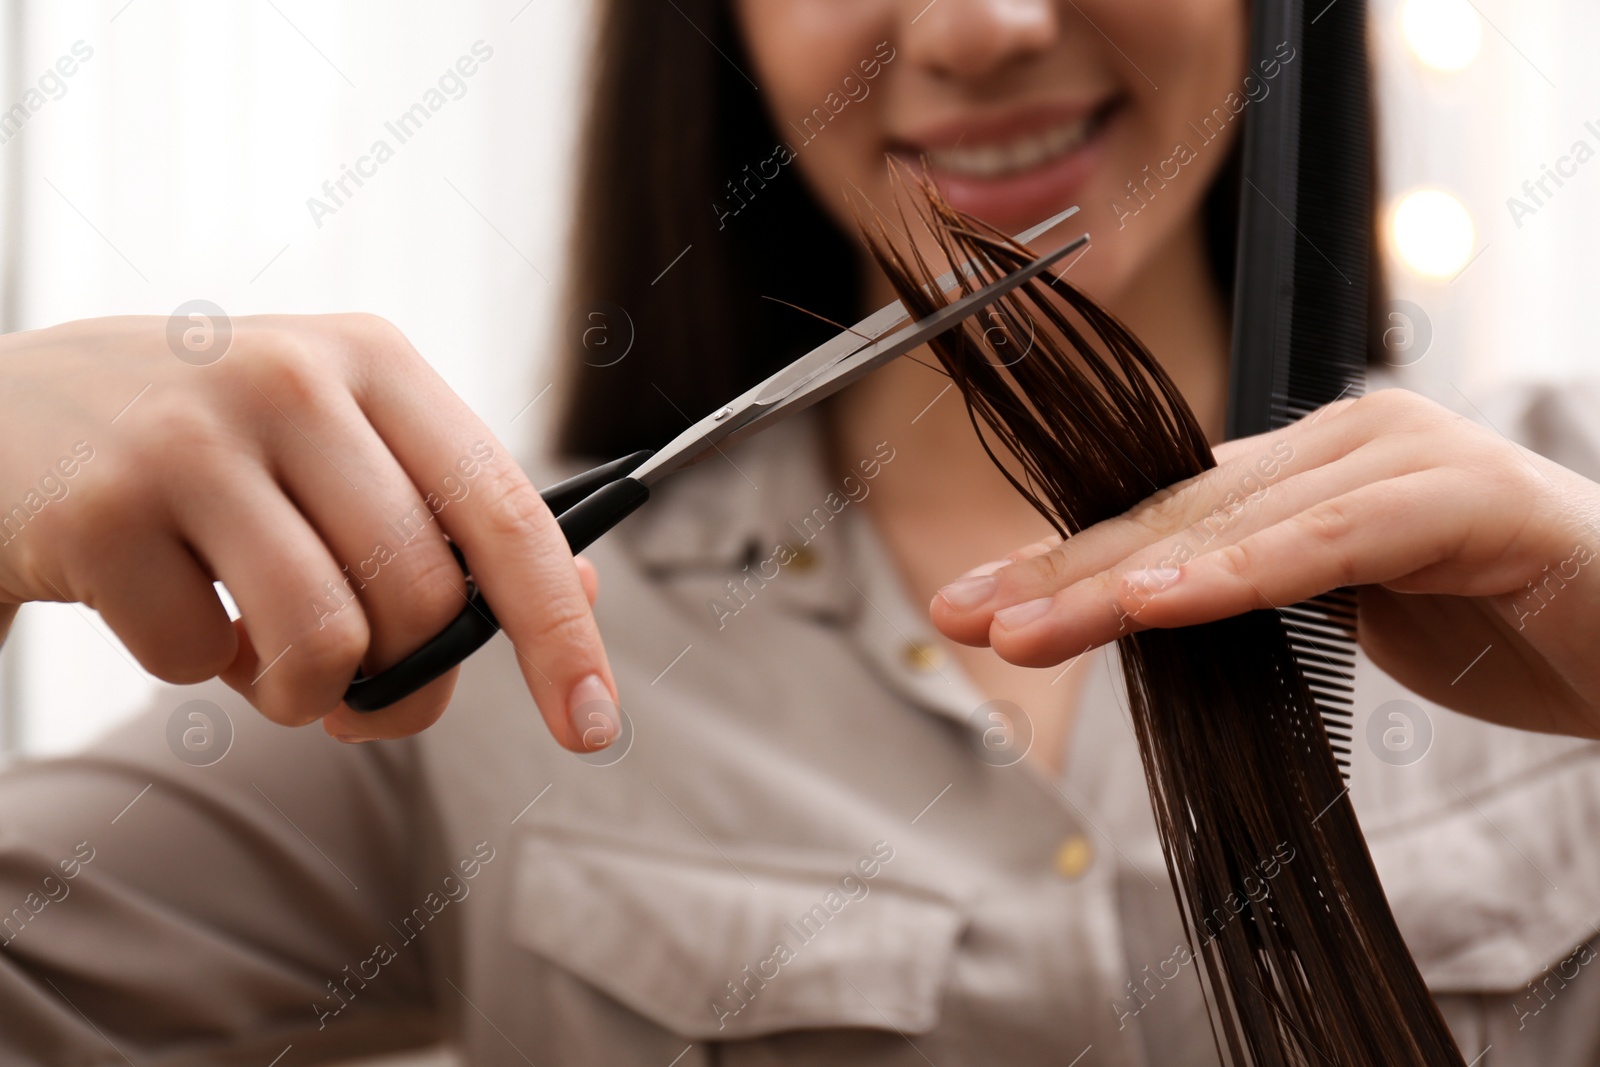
1312, 968
672, 120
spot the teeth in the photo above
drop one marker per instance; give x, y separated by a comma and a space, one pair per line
992, 161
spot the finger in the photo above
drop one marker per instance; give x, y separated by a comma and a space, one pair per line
394, 559
1199, 515
410, 715
392, 551
252, 538
1261, 444
954, 608
1377, 533
518, 554
1422, 532
590, 579
1038, 548
963, 609
247, 665
153, 593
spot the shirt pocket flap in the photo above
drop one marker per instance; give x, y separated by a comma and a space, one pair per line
728, 945
1500, 885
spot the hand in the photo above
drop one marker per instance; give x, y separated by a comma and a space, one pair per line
1461, 543
314, 470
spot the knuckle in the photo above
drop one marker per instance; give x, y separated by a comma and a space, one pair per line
333, 648
284, 707
433, 582
368, 326
1111, 586
1037, 548
175, 434
1238, 561
1398, 409
27, 557
1327, 523
1518, 480
1377, 401
281, 698
1234, 560
511, 506
189, 664
563, 624
285, 371
1049, 568
1340, 407
1166, 512
366, 334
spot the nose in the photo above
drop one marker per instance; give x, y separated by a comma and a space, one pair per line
969, 40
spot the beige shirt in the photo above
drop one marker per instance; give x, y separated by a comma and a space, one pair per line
815, 846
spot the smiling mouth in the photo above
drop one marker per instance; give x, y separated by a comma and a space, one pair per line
1007, 158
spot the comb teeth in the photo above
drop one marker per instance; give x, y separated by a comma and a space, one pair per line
1328, 330
1304, 279
1328, 333
1321, 634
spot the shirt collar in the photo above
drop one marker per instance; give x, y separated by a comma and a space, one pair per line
715, 513
771, 507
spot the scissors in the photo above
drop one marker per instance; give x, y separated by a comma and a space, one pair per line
589, 504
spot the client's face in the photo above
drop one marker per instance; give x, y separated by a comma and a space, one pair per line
1020, 107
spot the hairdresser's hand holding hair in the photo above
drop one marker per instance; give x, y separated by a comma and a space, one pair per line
314, 468
1458, 540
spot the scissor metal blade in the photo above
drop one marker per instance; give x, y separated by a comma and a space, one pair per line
859, 364
764, 404
880, 322
889, 316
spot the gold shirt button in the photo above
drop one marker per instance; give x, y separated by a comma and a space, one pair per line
922, 655
802, 559
1074, 857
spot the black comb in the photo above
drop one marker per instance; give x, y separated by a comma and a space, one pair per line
1303, 282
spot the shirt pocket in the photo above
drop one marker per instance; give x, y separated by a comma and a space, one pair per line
736, 944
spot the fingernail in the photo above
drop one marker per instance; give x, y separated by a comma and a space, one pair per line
964, 594
352, 739
593, 714
1020, 615
1151, 580
987, 568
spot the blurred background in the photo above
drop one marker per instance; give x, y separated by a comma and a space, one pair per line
180, 158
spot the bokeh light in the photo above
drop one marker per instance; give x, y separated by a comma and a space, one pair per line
1442, 34
1433, 232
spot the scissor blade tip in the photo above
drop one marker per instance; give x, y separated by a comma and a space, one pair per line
1048, 224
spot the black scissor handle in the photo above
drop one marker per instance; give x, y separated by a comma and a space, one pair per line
587, 505
565, 495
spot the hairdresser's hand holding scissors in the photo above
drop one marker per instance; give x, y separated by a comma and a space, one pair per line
314, 467
1463, 545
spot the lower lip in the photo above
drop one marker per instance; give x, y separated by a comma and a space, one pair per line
1016, 201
